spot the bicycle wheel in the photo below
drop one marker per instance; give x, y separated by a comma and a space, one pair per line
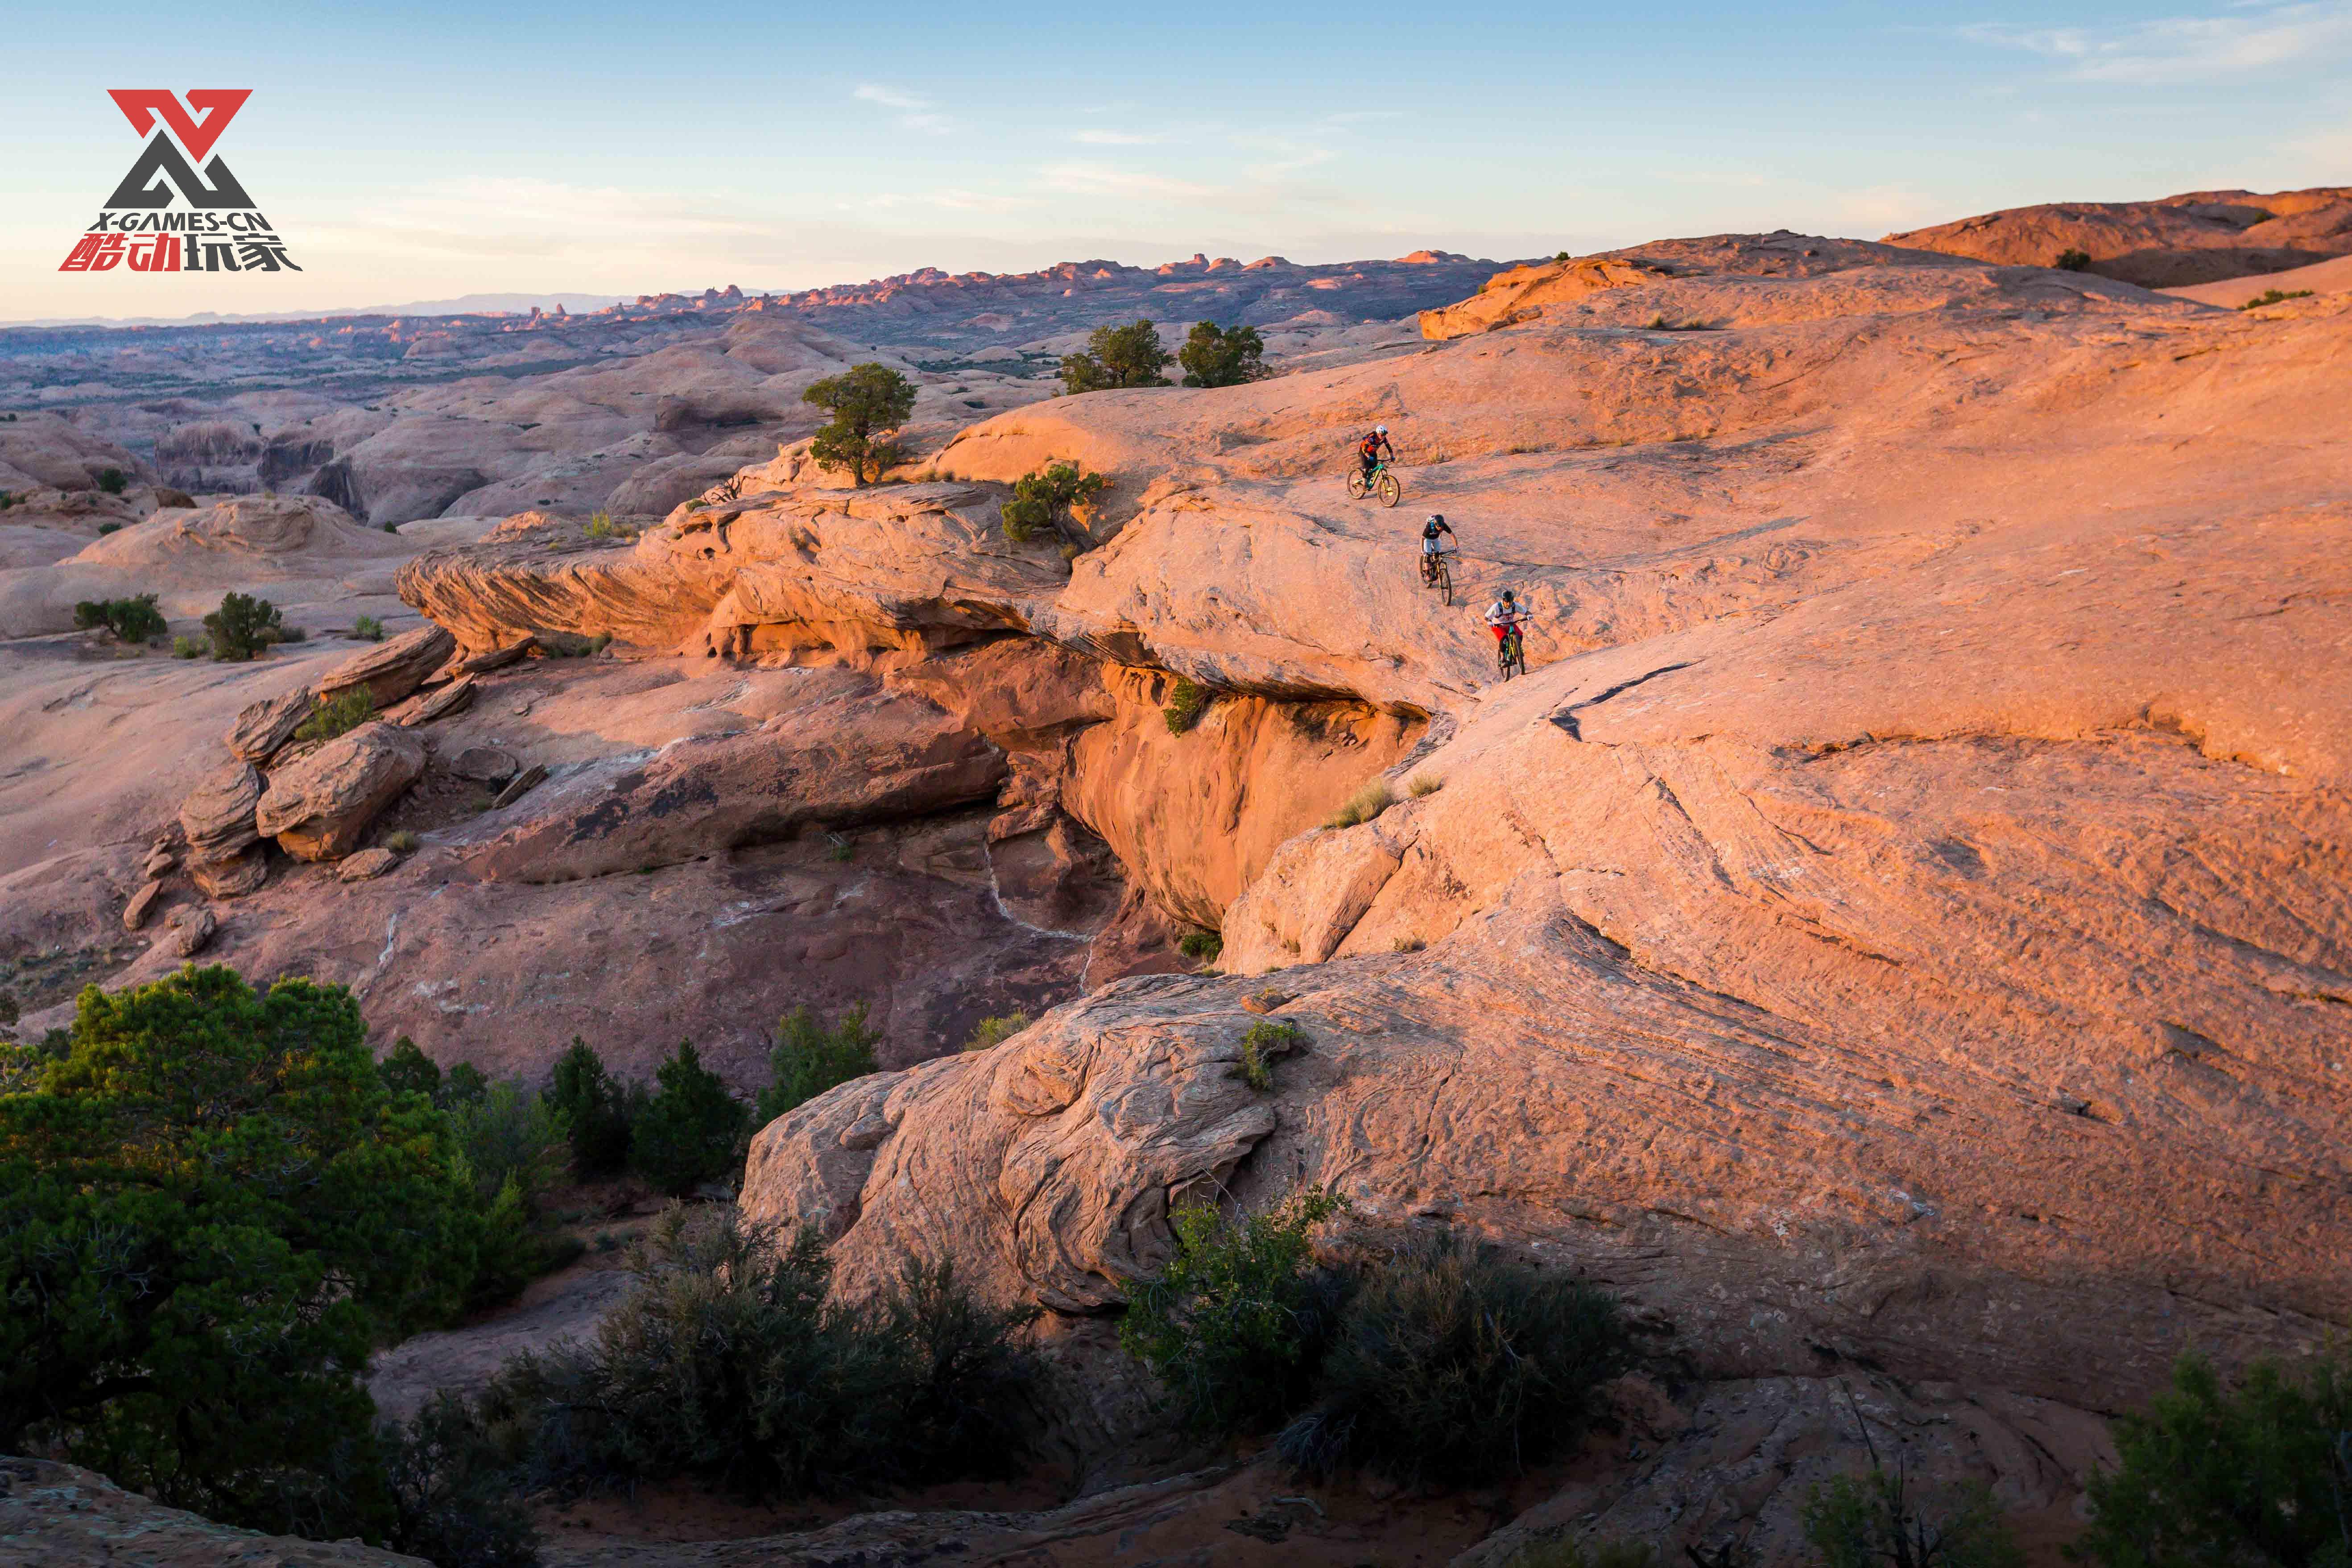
1355, 484
1446, 580
1391, 492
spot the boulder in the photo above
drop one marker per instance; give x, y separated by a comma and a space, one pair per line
234, 876
368, 863
319, 807
390, 670
192, 930
262, 727
160, 861
141, 905
485, 765
498, 657
521, 785
217, 817
426, 707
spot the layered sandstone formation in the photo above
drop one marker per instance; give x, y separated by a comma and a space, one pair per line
1903, 916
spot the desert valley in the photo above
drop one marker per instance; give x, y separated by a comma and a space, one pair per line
1890, 947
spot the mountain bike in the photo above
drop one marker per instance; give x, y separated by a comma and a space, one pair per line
1435, 573
1383, 485
1511, 655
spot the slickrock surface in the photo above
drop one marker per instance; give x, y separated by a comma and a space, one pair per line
2231, 293
1905, 916
61, 1516
2202, 236
318, 806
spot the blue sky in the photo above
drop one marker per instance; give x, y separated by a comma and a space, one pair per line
433, 149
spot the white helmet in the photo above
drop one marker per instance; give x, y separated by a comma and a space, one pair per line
1380, 429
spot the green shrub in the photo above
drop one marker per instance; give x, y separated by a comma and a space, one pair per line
1215, 357
1236, 1324
190, 648
996, 1031
510, 1137
866, 401
211, 1212
453, 1497
601, 526
1363, 805
112, 481
596, 1111
1265, 1045
1186, 703
130, 620
729, 1366
337, 715
106, 528
2275, 297
1202, 946
6, 500
2259, 1477
1453, 1367
239, 627
572, 645
400, 841
367, 628
1116, 356
1049, 498
1885, 1519
2072, 261
691, 1132
809, 1058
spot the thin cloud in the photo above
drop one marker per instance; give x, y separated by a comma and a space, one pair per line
2178, 49
1119, 138
915, 112
1103, 180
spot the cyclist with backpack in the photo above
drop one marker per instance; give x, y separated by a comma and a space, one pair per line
1432, 549
1507, 619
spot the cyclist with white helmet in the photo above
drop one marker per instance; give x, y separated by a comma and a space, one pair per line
1431, 546
1370, 447
1506, 615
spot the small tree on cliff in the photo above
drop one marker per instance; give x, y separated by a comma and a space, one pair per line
1048, 499
1222, 356
1116, 356
868, 402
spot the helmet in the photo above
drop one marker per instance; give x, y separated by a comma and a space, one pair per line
1380, 429
1438, 518
1506, 597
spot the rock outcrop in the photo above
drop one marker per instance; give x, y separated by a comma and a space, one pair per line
318, 806
393, 669
217, 818
61, 1516
2200, 238
1902, 920
263, 727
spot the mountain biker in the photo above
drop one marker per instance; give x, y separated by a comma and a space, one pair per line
1506, 615
1370, 447
1430, 547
